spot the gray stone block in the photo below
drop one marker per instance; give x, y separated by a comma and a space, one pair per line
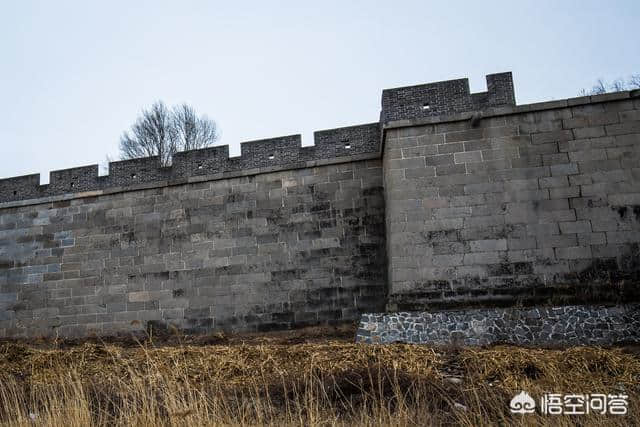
443, 159
484, 187
564, 192
589, 132
575, 252
466, 135
450, 148
564, 169
625, 199
488, 245
450, 169
415, 162
477, 145
485, 258
553, 136
554, 182
575, 227
467, 157
632, 127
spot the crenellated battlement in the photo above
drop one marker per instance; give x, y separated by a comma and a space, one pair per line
411, 102
283, 152
446, 97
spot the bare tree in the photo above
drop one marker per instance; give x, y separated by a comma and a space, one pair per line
162, 132
193, 132
616, 86
599, 88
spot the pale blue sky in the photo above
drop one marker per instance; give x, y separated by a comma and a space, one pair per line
75, 74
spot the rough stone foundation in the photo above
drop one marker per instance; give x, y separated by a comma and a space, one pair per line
567, 325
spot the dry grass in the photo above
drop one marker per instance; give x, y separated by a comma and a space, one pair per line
318, 383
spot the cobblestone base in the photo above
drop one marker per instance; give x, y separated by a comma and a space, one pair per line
567, 325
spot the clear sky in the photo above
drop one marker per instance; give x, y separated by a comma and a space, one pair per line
75, 74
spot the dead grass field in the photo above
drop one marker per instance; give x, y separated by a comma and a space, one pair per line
303, 378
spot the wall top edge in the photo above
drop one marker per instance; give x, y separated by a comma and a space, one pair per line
279, 152
515, 109
430, 103
189, 180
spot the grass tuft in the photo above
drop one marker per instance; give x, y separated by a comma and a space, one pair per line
307, 383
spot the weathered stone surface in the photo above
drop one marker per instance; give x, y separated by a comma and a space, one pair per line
473, 201
547, 211
272, 251
565, 325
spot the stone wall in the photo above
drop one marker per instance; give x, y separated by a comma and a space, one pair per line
536, 204
269, 251
484, 203
565, 325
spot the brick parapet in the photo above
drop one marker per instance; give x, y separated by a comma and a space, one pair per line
286, 152
489, 112
446, 97
282, 153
